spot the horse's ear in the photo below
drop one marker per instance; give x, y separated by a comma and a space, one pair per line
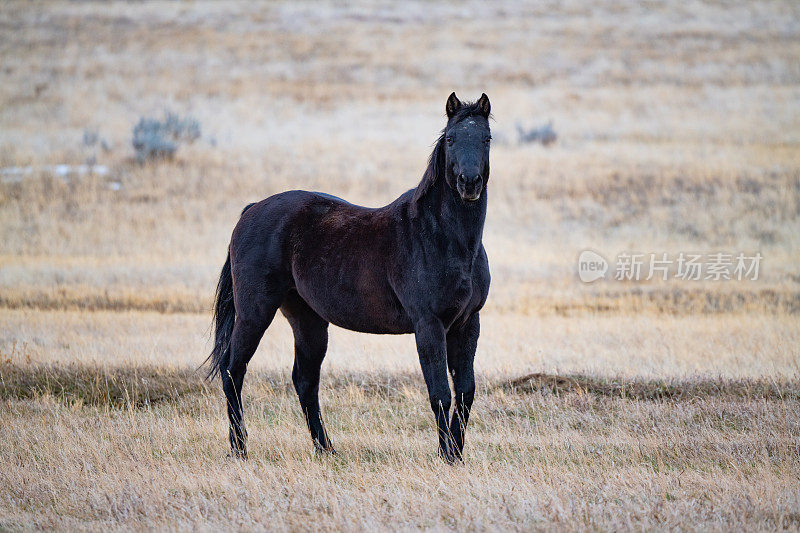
452, 105
484, 105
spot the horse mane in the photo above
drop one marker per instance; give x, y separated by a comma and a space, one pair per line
436, 163
434, 171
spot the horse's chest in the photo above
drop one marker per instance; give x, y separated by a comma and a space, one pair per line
453, 293
459, 288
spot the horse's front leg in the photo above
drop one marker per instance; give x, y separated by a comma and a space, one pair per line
432, 349
461, 345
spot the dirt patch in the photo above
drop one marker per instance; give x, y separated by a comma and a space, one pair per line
685, 390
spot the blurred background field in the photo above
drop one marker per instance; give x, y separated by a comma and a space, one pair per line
676, 130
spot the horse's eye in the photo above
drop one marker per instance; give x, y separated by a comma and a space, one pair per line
449, 140
487, 139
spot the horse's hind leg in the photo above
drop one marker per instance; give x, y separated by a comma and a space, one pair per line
310, 344
255, 309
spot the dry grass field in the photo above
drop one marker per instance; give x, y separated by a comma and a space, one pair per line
606, 406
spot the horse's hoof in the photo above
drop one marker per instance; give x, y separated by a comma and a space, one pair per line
448, 457
451, 456
240, 455
321, 450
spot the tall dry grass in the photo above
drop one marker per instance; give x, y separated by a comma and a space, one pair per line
111, 449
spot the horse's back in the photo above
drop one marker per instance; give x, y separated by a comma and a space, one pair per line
271, 218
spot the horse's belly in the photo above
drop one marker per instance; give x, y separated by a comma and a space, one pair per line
370, 324
366, 311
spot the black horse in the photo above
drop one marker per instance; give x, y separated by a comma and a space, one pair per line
416, 266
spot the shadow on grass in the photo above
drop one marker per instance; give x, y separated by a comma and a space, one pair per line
142, 386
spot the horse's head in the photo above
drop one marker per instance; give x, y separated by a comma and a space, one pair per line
466, 146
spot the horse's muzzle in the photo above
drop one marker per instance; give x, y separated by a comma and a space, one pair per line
469, 188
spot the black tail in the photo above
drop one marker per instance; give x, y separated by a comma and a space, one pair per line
224, 317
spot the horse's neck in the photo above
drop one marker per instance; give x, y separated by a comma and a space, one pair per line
453, 219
